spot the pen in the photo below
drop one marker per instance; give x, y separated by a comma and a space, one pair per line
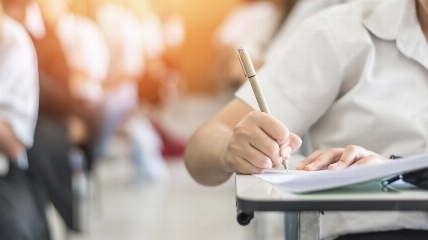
250, 73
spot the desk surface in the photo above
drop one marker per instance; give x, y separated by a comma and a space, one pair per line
253, 194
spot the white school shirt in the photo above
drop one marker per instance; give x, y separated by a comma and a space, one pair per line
86, 50
19, 87
34, 23
153, 37
124, 36
160, 34
302, 10
354, 74
251, 26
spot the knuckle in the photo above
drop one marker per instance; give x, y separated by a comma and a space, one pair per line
337, 150
265, 163
232, 146
239, 128
318, 152
285, 129
240, 132
351, 147
330, 150
253, 114
318, 161
276, 163
271, 149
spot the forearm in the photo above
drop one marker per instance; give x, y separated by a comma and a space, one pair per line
9, 144
205, 154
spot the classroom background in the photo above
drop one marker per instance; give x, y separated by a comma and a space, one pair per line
143, 75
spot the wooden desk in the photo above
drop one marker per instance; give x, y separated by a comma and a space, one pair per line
302, 210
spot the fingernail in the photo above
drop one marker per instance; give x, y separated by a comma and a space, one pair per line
310, 165
286, 157
286, 151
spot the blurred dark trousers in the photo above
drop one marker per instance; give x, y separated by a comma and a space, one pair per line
49, 165
22, 207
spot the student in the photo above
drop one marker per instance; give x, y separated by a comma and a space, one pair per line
22, 213
164, 35
49, 157
353, 74
125, 39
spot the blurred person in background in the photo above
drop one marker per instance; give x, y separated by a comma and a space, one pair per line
127, 45
164, 34
22, 205
49, 157
88, 57
123, 32
253, 25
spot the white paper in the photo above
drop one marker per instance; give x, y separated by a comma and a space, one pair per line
309, 181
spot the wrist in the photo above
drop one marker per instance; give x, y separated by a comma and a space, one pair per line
224, 152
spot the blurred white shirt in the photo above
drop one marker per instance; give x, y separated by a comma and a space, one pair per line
124, 36
158, 34
85, 50
34, 21
19, 87
251, 25
354, 74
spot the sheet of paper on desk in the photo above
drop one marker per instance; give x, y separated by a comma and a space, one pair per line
305, 181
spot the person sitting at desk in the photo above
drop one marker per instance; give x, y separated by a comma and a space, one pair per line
22, 206
353, 74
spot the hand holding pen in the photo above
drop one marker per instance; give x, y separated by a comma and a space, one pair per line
250, 73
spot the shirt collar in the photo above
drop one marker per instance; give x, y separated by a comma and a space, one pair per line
397, 20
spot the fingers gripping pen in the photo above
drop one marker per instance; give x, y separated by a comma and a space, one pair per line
250, 73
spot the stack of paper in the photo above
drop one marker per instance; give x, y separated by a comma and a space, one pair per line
309, 181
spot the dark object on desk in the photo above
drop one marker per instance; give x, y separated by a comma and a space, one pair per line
418, 178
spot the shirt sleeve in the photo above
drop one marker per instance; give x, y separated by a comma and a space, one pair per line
19, 89
302, 81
